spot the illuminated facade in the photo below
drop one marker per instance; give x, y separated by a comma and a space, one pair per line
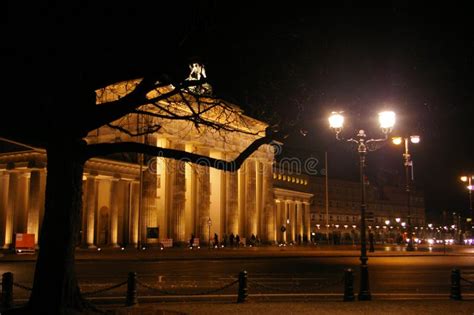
126, 203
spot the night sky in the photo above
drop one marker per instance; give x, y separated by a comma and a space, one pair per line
287, 61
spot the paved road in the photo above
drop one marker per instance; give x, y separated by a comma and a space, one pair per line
389, 276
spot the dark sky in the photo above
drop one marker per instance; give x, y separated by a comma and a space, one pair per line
417, 61
292, 60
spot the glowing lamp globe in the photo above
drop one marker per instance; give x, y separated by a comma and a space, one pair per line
387, 120
336, 120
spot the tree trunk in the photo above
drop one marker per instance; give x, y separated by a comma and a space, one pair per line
55, 287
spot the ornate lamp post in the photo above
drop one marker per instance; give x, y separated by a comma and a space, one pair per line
408, 163
468, 179
387, 121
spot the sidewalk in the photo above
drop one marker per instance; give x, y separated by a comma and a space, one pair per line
151, 254
321, 308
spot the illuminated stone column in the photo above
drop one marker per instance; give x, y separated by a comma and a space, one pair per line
104, 212
307, 220
259, 205
124, 213
115, 204
284, 220
90, 206
42, 199
190, 196
292, 226
241, 179
232, 202
278, 220
250, 202
203, 198
162, 193
10, 213
217, 197
5, 230
21, 203
135, 207
36, 202
177, 210
268, 204
150, 216
299, 220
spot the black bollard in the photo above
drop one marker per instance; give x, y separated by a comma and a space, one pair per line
132, 298
348, 285
243, 289
371, 242
7, 290
455, 284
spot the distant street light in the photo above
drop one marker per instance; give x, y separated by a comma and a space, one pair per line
408, 163
387, 121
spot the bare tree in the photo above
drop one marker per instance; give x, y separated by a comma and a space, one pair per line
55, 287
62, 91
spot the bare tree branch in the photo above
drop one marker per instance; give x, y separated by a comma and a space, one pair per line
148, 130
101, 149
111, 111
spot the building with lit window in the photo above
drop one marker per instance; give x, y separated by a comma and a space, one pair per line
387, 209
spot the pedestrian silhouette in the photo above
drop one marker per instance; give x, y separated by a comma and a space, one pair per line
371, 241
231, 239
191, 241
224, 240
216, 240
253, 240
237, 240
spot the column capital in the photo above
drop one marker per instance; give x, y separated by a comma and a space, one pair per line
91, 174
116, 178
33, 164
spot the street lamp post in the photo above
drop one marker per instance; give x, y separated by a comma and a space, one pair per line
408, 163
209, 223
468, 179
387, 121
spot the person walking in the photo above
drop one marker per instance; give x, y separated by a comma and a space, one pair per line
253, 240
216, 240
191, 241
231, 240
224, 240
237, 240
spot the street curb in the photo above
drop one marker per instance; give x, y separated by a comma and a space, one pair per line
245, 257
